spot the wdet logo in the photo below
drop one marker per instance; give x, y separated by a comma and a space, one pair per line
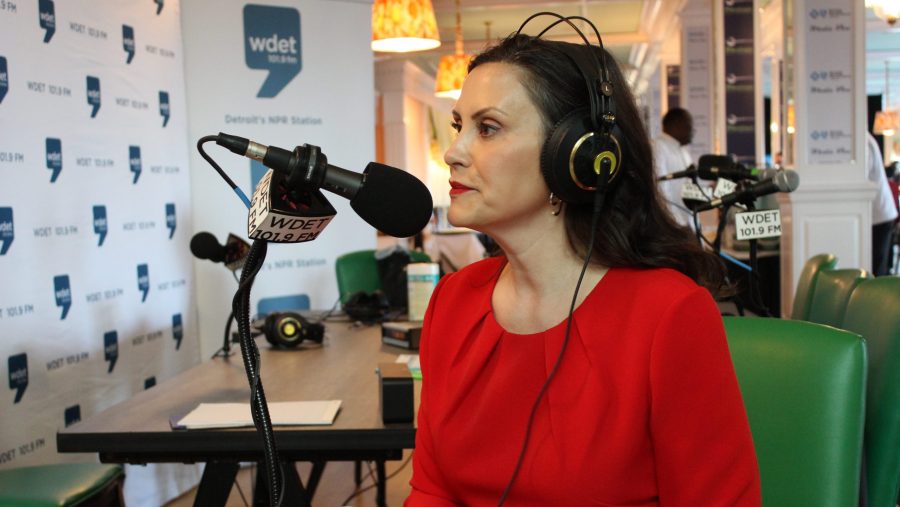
143, 279
272, 43
164, 108
101, 224
159, 6
4, 78
177, 330
128, 41
170, 218
111, 349
7, 229
93, 94
72, 415
47, 18
18, 374
134, 161
54, 157
62, 291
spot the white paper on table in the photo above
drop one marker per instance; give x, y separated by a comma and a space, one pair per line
282, 413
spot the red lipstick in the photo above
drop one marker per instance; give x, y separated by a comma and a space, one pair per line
457, 188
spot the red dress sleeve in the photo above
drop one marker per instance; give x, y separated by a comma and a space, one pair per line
695, 400
427, 484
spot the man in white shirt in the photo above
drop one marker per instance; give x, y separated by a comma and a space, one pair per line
883, 210
670, 155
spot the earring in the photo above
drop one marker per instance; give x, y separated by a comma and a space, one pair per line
555, 205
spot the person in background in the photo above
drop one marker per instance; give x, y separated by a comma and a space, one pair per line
587, 363
884, 211
670, 155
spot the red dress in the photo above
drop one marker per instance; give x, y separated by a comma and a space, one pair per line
644, 411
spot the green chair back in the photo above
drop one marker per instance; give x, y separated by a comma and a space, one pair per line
67, 484
807, 282
831, 294
358, 271
803, 386
874, 312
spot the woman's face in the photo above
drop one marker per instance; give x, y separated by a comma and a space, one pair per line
494, 161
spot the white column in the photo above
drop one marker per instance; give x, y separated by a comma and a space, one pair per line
825, 95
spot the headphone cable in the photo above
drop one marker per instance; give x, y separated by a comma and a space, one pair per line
595, 219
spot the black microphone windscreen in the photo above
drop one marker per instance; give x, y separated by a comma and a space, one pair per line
393, 201
787, 180
205, 246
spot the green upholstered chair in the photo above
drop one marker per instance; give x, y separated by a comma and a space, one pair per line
358, 271
807, 282
831, 294
874, 313
803, 386
68, 484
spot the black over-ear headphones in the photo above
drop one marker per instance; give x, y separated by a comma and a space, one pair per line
289, 329
582, 152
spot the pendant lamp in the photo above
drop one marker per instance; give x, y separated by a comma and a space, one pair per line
887, 122
402, 26
452, 69
888, 10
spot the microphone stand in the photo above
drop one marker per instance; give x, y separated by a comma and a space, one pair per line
753, 283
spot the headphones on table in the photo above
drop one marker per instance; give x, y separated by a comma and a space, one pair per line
582, 152
289, 329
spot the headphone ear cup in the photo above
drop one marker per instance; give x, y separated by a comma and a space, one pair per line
289, 329
573, 155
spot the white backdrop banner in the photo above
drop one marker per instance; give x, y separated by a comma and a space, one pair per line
284, 74
97, 298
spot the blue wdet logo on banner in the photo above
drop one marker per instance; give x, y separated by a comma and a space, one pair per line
164, 108
111, 349
18, 374
101, 225
143, 278
134, 161
4, 78
159, 6
7, 230
54, 157
47, 17
62, 291
72, 415
272, 43
177, 330
170, 218
93, 94
257, 171
128, 41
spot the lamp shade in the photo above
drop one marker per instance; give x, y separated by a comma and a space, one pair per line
452, 71
401, 26
886, 123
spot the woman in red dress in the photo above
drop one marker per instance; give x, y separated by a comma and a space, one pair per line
620, 392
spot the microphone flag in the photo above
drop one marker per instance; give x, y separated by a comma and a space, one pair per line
282, 215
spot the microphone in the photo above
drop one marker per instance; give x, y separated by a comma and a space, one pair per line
233, 253
690, 172
713, 167
389, 199
784, 181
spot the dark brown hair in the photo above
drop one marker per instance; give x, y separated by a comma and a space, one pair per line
635, 229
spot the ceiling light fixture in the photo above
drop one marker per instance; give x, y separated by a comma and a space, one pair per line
402, 26
888, 10
887, 122
452, 69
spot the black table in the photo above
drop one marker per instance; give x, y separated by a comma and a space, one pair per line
138, 430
